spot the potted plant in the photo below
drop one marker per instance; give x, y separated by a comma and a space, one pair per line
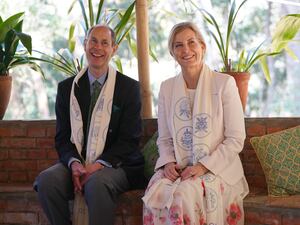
10, 36
239, 69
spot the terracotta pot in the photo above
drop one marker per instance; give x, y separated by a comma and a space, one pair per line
5, 91
242, 80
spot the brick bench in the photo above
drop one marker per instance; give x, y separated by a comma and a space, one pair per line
27, 147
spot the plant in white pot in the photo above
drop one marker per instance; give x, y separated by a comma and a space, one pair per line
10, 36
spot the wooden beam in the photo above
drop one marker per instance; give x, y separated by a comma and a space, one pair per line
143, 56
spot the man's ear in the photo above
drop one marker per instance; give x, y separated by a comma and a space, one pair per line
115, 48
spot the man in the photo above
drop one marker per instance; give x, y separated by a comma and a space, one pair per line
96, 138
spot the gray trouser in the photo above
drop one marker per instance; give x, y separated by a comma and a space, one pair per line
55, 189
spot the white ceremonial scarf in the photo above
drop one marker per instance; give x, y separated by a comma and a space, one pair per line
192, 124
99, 119
96, 135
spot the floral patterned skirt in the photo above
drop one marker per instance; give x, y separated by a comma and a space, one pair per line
206, 200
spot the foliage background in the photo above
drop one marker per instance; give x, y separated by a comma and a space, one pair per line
47, 22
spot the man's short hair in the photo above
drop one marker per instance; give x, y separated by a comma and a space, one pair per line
112, 32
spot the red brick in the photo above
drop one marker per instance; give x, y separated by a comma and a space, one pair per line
18, 143
273, 129
18, 176
4, 142
262, 217
32, 175
3, 177
256, 130
12, 132
44, 142
18, 131
3, 154
291, 220
4, 132
52, 154
256, 181
3, 206
250, 156
2, 165
19, 165
44, 164
25, 204
18, 218
17, 154
51, 131
38, 131
37, 154
252, 217
27, 154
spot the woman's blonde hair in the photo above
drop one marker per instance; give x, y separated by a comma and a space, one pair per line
180, 27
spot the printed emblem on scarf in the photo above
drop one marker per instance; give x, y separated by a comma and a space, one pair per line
76, 112
185, 138
95, 131
183, 109
80, 136
202, 125
100, 105
199, 151
212, 200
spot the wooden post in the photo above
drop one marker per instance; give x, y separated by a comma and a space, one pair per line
143, 56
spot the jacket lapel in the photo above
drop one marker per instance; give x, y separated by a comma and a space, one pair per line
82, 93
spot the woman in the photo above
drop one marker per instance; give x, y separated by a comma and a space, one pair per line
199, 177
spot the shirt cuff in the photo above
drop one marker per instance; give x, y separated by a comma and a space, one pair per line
104, 163
72, 160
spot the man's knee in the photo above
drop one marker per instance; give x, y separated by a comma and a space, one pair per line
45, 181
96, 183
51, 178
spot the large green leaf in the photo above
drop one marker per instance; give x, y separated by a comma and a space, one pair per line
22, 60
10, 45
285, 31
9, 24
86, 21
71, 39
125, 18
91, 13
98, 16
26, 41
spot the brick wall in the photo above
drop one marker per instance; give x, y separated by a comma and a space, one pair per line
26, 148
